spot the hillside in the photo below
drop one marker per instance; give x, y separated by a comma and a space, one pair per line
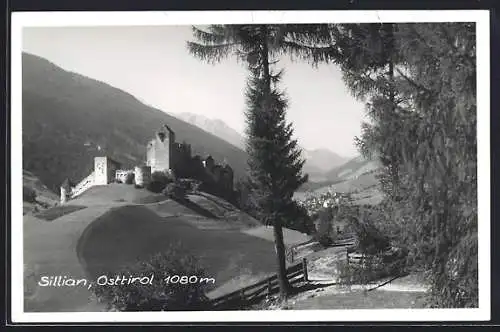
352, 169
215, 127
68, 119
324, 159
41, 197
318, 161
357, 177
111, 226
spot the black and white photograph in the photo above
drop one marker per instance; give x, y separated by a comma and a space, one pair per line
250, 166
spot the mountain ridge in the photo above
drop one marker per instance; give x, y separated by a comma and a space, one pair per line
69, 118
318, 161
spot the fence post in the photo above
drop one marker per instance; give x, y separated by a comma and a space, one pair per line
304, 269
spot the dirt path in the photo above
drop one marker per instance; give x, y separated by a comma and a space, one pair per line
54, 248
50, 250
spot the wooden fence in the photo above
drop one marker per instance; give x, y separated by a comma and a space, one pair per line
351, 241
386, 257
260, 290
300, 250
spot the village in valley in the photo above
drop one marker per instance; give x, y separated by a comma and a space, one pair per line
120, 188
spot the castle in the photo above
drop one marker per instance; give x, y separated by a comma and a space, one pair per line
163, 154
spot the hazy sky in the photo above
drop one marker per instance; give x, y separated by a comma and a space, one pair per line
152, 63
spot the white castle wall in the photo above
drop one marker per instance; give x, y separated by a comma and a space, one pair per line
142, 175
101, 171
83, 185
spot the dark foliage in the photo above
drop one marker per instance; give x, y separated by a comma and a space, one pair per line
157, 296
175, 190
159, 181
29, 195
418, 81
130, 178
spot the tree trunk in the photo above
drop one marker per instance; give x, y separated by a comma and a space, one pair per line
279, 244
285, 287
392, 98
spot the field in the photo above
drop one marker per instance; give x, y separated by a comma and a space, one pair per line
113, 229
58, 211
364, 189
111, 226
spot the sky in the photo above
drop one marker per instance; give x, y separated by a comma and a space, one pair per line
153, 64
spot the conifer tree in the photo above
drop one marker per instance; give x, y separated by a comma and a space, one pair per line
419, 84
275, 164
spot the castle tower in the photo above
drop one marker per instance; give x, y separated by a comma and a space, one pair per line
209, 163
104, 170
160, 150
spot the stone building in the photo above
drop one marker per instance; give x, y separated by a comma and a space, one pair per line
159, 155
142, 175
105, 170
163, 154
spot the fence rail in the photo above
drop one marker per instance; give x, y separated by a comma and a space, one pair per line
387, 256
300, 250
260, 290
345, 242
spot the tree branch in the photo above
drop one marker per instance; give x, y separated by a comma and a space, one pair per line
412, 82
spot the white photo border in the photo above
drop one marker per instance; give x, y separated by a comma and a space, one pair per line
72, 19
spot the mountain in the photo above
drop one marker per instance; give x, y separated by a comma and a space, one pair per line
69, 118
357, 176
324, 159
215, 127
318, 161
352, 169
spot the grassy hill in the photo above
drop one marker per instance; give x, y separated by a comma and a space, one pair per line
352, 169
43, 197
113, 227
68, 119
357, 176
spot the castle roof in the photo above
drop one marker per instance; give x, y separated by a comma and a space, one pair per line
168, 128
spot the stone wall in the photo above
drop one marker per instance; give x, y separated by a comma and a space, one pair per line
142, 175
121, 175
105, 169
160, 151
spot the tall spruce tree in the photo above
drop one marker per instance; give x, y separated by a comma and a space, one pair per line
275, 164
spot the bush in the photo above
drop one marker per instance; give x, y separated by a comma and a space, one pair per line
159, 181
370, 239
118, 181
298, 219
175, 190
157, 296
130, 178
29, 195
324, 233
